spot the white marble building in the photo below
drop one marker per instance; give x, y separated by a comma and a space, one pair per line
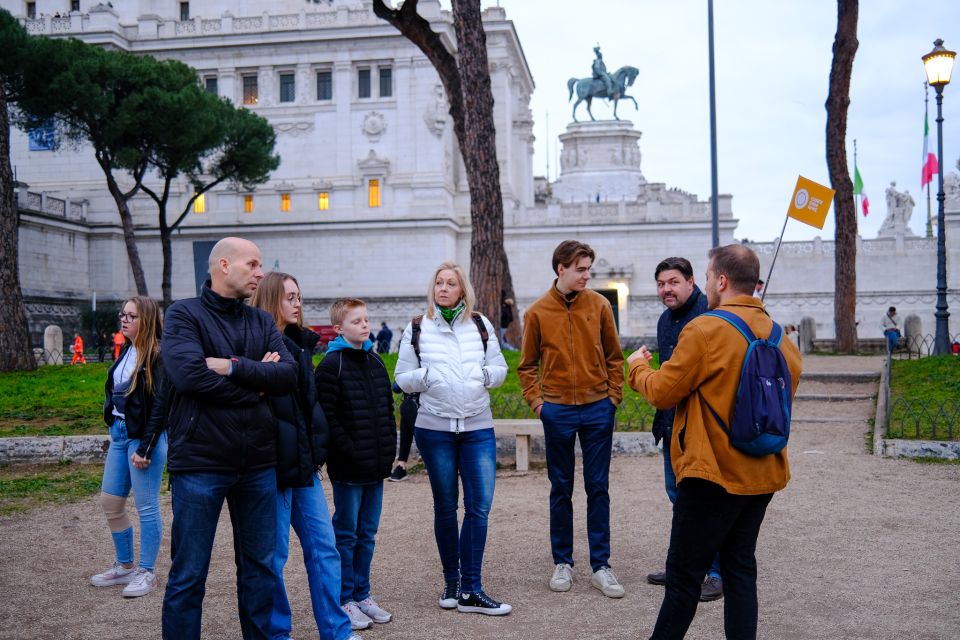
371, 193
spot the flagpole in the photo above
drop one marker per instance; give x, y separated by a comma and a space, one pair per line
766, 284
926, 100
856, 201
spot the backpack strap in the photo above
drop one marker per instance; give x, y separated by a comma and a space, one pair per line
482, 328
736, 321
415, 338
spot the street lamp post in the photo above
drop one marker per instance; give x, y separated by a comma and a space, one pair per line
938, 65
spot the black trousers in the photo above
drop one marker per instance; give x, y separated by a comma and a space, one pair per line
708, 520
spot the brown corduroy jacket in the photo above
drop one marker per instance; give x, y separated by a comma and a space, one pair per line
705, 369
571, 351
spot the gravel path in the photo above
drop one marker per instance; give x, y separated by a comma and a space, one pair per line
855, 547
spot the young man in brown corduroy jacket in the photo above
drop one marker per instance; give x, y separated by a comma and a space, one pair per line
571, 373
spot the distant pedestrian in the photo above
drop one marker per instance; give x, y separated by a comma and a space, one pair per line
409, 406
758, 289
77, 349
571, 373
384, 338
118, 341
449, 357
722, 492
223, 359
353, 387
890, 323
506, 319
135, 408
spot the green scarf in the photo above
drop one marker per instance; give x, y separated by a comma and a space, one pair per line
450, 314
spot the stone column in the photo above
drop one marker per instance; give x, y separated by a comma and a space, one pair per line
913, 333
808, 333
52, 345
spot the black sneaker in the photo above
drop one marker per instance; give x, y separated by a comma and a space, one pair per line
398, 474
658, 578
451, 592
711, 589
481, 603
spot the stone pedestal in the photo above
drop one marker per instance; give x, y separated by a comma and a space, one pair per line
808, 333
52, 345
599, 161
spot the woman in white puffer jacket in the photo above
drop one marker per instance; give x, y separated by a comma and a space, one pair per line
454, 428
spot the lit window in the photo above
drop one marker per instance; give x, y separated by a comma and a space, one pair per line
211, 84
284, 202
288, 87
248, 204
250, 93
386, 82
323, 201
324, 85
373, 193
363, 83
200, 204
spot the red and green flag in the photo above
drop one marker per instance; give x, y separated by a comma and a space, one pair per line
858, 190
930, 166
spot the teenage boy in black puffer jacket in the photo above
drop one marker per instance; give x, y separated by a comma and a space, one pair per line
353, 388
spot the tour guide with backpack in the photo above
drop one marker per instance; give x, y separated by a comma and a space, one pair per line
732, 379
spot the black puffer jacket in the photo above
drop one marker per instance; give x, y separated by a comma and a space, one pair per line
301, 424
222, 423
145, 413
353, 387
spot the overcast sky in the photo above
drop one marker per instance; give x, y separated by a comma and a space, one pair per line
772, 73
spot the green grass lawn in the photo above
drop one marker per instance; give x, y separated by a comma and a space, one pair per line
925, 399
67, 400
23, 487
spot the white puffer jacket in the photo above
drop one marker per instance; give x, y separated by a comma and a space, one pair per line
453, 374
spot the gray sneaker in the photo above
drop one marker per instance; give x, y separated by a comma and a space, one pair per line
358, 619
562, 578
711, 589
374, 611
116, 574
143, 582
606, 580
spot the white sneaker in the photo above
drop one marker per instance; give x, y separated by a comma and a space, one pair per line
374, 611
606, 580
358, 619
562, 578
116, 574
143, 582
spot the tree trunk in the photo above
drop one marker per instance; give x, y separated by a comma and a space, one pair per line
126, 221
838, 100
167, 249
15, 351
466, 81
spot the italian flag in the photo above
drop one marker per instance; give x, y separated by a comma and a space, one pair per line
930, 166
858, 190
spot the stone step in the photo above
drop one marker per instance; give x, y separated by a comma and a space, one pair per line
839, 376
834, 397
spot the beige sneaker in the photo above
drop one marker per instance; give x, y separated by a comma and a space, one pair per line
116, 574
143, 583
562, 578
606, 580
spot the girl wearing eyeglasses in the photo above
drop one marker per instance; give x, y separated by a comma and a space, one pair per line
135, 409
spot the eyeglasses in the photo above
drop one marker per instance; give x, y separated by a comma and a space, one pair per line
127, 317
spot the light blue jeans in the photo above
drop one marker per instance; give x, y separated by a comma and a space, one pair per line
306, 509
119, 476
356, 518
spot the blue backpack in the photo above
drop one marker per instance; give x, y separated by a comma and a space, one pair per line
761, 416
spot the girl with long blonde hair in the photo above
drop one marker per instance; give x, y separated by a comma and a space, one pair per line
135, 410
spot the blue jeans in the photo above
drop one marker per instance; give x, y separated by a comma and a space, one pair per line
562, 425
306, 509
670, 484
450, 458
119, 476
893, 337
356, 518
197, 501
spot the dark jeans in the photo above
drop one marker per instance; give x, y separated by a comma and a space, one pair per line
670, 484
469, 457
707, 519
408, 418
197, 502
562, 425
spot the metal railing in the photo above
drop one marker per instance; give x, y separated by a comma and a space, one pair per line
914, 347
920, 419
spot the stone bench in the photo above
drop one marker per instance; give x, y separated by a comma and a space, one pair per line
522, 430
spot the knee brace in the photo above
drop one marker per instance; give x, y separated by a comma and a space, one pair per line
115, 509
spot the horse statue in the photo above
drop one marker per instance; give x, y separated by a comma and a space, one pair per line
590, 88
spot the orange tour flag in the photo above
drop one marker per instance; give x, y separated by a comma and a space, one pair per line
810, 202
